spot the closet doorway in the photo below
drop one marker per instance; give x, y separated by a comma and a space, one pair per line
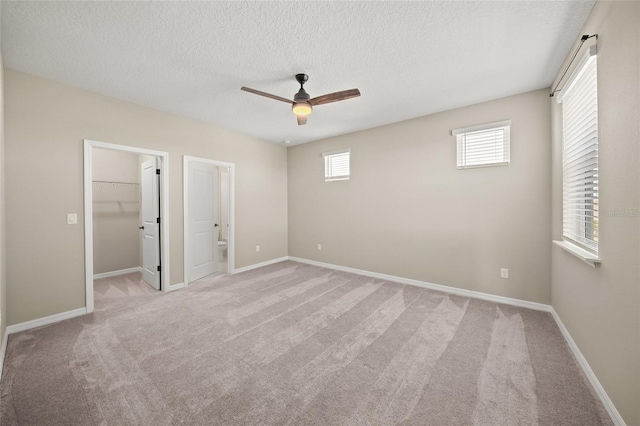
208, 218
126, 221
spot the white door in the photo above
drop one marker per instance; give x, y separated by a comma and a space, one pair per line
202, 216
151, 223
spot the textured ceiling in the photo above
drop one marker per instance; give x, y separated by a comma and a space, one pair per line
407, 58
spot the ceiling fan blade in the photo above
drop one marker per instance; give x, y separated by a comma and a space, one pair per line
267, 95
334, 97
302, 119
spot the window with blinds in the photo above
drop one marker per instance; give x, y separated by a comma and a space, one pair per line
336, 165
483, 145
580, 156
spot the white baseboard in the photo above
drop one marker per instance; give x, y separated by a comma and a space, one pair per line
116, 273
259, 265
438, 287
28, 325
616, 418
3, 351
174, 287
602, 394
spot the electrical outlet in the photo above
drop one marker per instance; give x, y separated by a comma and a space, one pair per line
504, 273
319, 247
257, 248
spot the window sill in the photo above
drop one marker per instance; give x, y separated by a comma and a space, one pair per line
589, 258
479, 166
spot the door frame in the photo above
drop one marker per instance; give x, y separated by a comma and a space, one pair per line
186, 159
89, 145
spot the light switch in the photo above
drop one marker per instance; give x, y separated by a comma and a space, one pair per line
72, 218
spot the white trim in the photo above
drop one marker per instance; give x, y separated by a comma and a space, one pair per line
231, 245
616, 418
3, 351
340, 151
88, 225
261, 264
479, 166
477, 128
577, 70
16, 328
174, 287
438, 287
89, 145
116, 273
587, 257
39, 322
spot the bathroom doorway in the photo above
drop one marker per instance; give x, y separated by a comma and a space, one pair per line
208, 218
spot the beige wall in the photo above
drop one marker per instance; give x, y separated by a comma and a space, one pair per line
45, 125
407, 210
116, 211
3, 269
601, 307
117, 166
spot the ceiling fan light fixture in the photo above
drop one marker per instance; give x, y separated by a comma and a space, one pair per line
302, 104
302, 108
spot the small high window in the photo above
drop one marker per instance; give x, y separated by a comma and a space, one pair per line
483, 145
336, 165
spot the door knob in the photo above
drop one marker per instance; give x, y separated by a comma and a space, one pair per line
216, 225
140, 227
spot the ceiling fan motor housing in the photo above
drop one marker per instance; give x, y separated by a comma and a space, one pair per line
301, 96
301, 105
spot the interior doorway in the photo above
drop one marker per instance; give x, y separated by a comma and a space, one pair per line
208, 218
141, 200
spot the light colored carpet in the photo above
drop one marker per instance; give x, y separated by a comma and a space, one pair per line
295, 344
121, 286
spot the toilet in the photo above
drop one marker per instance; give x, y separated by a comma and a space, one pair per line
222, 251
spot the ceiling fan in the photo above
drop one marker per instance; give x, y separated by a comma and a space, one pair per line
302, 103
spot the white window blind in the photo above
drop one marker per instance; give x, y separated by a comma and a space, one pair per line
336, 165
483, 145
580, 156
